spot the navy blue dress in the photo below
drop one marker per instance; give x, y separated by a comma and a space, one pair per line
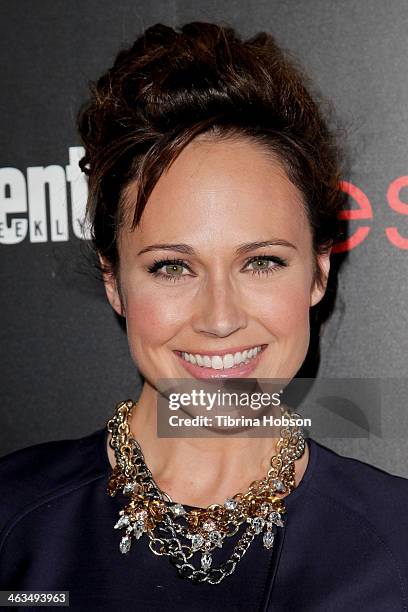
344, 547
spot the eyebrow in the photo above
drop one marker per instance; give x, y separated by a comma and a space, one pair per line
241, 249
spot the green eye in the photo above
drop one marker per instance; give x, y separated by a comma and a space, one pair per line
173, 268
170, 269
262, 264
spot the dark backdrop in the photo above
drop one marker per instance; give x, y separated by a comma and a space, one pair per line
65, 360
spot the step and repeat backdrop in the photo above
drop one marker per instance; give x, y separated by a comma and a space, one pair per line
65, 360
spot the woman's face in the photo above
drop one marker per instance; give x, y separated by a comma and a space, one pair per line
212, 291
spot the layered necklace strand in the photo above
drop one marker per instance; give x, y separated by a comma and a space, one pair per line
180, 534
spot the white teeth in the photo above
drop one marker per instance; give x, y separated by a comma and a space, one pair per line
238, 358
207, 361
218, 362
228, 360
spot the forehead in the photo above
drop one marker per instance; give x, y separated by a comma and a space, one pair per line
222, 188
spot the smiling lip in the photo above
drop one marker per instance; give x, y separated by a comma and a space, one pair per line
240, 370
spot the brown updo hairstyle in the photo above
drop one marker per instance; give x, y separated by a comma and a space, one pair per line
172, 85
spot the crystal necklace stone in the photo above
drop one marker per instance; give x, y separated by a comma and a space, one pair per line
278, 485
268, 539
125, 544
197, 541
206, 560
122, 522
216, 538
178, 510
258, 523
209, 526
138, 529
230, 504
276, 518
129, 488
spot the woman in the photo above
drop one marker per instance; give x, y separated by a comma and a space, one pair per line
214, 203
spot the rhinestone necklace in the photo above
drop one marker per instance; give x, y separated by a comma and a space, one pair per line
180, 534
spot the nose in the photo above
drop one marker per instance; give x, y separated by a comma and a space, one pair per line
219, 310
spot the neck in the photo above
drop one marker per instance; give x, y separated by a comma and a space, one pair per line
201, 471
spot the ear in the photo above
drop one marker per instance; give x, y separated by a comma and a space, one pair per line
318, 290
111, 286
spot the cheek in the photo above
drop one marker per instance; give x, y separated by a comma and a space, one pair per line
150, 318
285, 311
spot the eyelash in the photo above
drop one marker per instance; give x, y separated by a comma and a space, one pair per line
159, 263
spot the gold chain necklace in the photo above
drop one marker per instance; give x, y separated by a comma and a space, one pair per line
179, 534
